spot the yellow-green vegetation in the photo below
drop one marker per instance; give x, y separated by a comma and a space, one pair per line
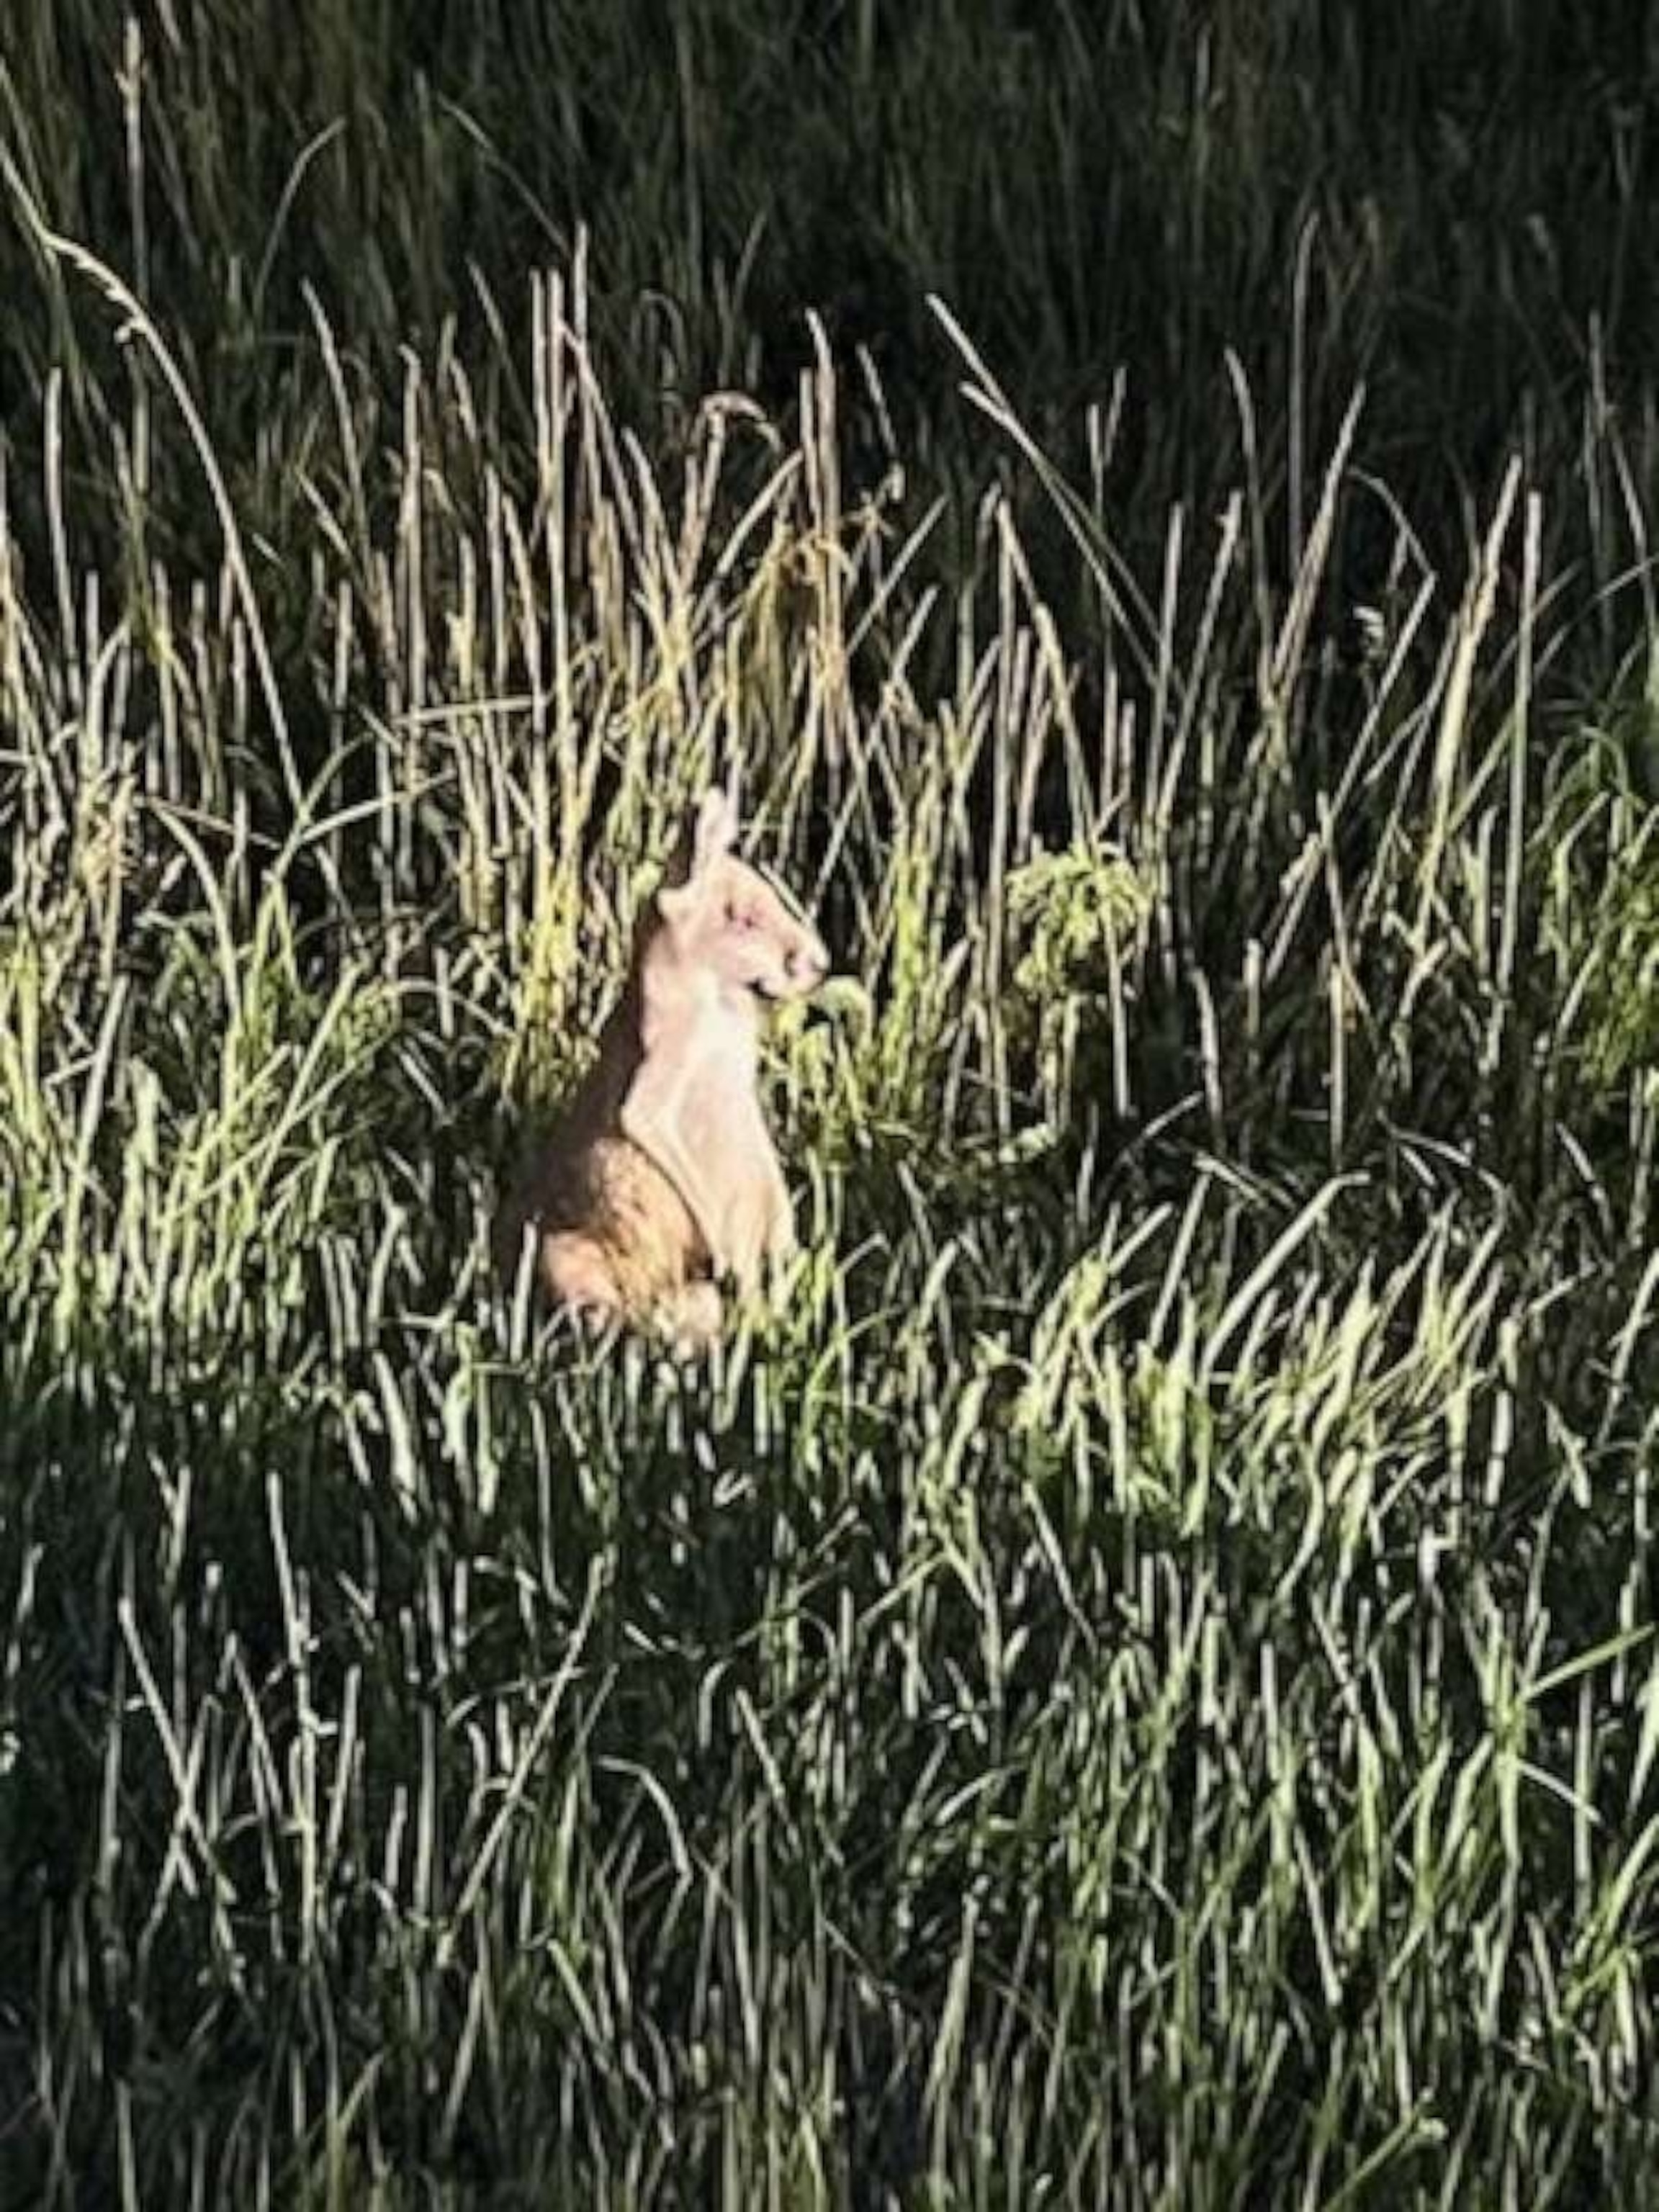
1137, 1688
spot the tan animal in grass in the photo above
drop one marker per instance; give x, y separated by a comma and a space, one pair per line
660, 1176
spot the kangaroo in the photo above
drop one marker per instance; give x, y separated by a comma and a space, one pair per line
660, 1176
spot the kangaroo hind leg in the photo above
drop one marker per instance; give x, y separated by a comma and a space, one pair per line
576, 1272
691, 1318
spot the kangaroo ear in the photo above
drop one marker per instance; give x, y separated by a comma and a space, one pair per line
716, 829
710, 835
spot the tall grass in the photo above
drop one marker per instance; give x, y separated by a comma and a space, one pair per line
1137, 1688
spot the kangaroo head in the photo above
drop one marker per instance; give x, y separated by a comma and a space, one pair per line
727, 919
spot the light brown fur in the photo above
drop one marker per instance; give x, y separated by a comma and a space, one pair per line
659, 1175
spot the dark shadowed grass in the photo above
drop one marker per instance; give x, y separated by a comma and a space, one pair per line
1456, 206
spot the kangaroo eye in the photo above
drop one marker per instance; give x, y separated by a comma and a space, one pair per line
740, 918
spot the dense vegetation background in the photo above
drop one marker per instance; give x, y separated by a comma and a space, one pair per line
1139, 1687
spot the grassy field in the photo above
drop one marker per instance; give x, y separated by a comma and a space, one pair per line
1137, 1688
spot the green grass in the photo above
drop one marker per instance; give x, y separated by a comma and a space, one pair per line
1137, 1687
